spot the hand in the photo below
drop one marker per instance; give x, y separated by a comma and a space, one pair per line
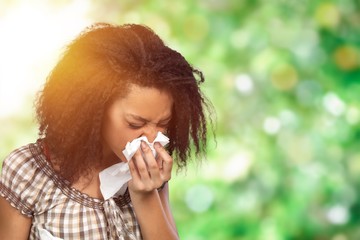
147, 172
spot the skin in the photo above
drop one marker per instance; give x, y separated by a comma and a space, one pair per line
13, 225
142, 112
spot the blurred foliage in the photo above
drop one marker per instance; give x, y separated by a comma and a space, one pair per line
284, 79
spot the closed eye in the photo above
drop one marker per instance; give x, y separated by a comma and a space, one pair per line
135, 126
163, 125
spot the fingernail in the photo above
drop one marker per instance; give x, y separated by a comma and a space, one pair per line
143, 145
157, 145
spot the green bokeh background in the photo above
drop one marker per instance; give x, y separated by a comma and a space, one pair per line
284, 79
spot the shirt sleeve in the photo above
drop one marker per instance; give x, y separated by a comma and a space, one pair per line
17, 175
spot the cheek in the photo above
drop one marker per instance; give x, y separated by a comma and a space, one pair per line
111, 133
116, 135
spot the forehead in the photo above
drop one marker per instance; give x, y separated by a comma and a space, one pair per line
147, 102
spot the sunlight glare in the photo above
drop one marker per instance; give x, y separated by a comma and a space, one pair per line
32, 38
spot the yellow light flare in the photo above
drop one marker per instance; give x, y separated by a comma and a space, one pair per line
32, 36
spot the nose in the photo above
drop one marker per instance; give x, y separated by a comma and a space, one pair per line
150, 133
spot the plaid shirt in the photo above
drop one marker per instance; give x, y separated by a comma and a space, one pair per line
31, 185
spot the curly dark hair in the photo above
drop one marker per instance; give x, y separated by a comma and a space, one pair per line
98, 66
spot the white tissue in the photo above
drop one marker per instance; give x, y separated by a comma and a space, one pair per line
132, 147
113, 180
45, 235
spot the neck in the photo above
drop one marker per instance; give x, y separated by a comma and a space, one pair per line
109, 159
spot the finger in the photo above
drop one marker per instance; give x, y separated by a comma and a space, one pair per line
167, 161
141, 165
159, 161
151, 163
133, 171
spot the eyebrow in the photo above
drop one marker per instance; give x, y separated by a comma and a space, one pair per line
138, 118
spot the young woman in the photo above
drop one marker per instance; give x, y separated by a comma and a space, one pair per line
112, 85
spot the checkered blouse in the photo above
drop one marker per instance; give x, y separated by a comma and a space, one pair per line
30, 184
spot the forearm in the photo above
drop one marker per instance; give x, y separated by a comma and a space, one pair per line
153, 217
164, 196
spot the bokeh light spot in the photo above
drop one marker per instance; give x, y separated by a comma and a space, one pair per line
240, 39
292, 145
327, 15
271, 125
288, 118
199, 198
284, 77
237, 167
333, 104
354, 165
244, 84
338, 215
353, 115
347, 58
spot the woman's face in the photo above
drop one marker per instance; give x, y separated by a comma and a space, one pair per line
143, 111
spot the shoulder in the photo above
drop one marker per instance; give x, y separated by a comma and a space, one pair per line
19, 163
18, 176
18, 156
